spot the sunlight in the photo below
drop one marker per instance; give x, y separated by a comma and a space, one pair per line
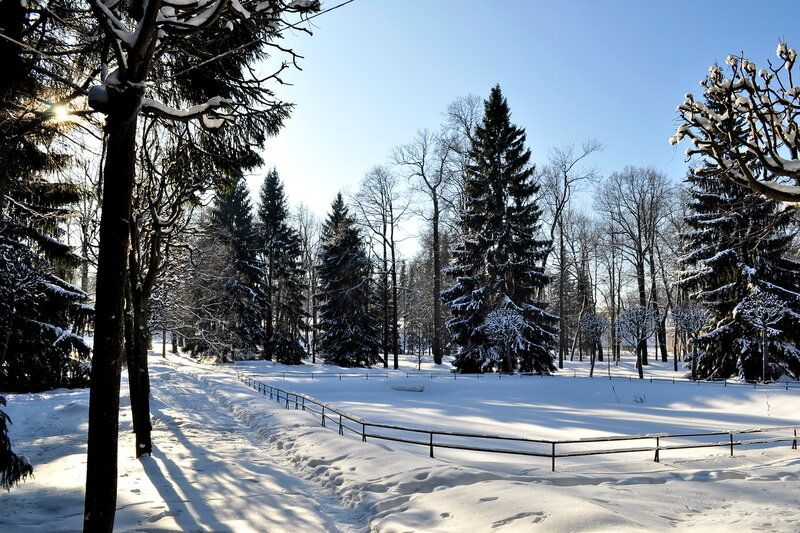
60, 113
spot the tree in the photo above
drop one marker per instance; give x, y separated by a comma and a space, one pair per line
498, 261
232, 222
282, 276
764, 311
594, 326
756, 115
690, 319
382, 205
308, 229
637, 324
42, 315
144, 44
635, 203
429, 159
348, 334
737, 243
13, 467
564, 175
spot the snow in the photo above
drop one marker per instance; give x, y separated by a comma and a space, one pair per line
227, 458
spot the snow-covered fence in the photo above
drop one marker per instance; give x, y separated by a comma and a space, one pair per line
655, 443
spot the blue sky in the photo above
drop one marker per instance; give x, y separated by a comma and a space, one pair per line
377, 70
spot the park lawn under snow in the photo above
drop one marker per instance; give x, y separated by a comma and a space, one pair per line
229, 459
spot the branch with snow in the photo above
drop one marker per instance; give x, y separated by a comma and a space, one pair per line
754, 139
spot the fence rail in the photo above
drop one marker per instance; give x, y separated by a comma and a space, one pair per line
334, 418
505, 375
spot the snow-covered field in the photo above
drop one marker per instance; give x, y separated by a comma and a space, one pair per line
228, 459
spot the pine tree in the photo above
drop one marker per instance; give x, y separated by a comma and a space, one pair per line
496, 266
737, 246
13, 467
349, 334
42, 315
232, 221
282, 276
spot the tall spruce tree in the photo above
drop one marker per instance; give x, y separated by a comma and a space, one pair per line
348, 331
497, 264
738, 245
282, 276
232, 220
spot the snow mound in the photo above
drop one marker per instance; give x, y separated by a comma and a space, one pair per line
408, 386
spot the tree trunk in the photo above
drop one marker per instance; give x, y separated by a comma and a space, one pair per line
437, 287
641, 347
562, 341
385, 293
591, 355
764, 354
118, 176
139, 376
694, 357
174, 338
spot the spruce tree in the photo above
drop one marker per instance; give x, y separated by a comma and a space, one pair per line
42, 315
232, 221
737, 246
348, 331
497, 265
282, 276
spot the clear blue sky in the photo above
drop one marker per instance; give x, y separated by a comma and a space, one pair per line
377, 70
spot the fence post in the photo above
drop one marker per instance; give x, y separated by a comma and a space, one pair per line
323, 416
658, 444
304, 403
363, 432
431, 444
731, 435
553, 457
295, 401
341, 429
794, 442
287, 400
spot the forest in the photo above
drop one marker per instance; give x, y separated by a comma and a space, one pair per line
127, 227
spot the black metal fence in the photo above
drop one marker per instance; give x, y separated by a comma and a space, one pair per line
366, 375
655, 443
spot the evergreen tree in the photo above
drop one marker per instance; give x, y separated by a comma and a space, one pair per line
737, 246
12, 466
42, 316
232, 222
282, 276
497, 263
349, 334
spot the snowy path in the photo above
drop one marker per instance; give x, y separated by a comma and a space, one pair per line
205, 460
207, 472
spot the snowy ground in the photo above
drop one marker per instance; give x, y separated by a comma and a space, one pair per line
229, 459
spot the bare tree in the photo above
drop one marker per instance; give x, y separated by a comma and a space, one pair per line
594, 327
758, 122
429, 160
635, 203
690, 319
636, 325
564, 175
763, 311
382, 204
308, 227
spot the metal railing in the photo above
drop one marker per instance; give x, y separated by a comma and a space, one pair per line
334, 418
365, 375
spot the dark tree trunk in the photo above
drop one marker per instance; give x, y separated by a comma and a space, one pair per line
118, 176
562, 339
641, 348
437, 286
395, 321
139, 376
